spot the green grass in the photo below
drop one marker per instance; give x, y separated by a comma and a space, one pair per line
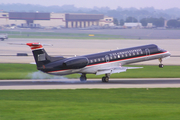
24, 71
54, 35
16, 71
147, 71
90, 104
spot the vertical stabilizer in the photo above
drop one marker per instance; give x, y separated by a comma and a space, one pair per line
40, 55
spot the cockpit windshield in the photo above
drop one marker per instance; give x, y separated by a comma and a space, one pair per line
161, 50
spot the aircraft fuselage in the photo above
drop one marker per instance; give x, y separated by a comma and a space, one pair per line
90, 64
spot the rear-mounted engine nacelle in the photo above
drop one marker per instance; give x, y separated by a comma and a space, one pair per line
75, 63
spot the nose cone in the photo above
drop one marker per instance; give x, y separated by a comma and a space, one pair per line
168, 53
165, 52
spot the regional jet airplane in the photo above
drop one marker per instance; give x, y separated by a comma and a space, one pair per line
100, 63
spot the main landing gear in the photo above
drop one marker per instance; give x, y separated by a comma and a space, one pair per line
106, 78
83, 77
161, 65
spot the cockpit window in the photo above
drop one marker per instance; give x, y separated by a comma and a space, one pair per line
161, 50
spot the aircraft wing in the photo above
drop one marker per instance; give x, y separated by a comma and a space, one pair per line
114, 70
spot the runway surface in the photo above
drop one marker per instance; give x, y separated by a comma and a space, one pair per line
72, 47
82, 47
89, 84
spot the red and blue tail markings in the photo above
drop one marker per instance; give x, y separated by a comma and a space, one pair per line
34, 46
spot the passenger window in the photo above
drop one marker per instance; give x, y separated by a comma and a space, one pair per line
126, 55
91, 61
118, 56
94, 60
114, 57
102, 59
141, 52
134, 54
99, 59
129, 54
111, 58
122, 55
137, 53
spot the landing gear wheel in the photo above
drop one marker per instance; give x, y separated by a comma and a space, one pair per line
105, 79
83, 78
161, 65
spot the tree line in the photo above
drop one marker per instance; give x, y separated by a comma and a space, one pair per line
119, 12
120, 15
174, 23
157, 22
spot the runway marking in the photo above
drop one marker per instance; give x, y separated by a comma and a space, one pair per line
149, 34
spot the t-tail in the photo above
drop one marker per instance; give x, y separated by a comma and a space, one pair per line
40, 55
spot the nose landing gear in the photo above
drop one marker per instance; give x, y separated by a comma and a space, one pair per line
161, 65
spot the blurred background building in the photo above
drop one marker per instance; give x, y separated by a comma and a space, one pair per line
66, 20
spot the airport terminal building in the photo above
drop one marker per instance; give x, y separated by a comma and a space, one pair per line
67, 20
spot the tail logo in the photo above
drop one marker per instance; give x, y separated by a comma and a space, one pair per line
41, 57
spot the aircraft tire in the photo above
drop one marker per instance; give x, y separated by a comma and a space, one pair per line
83, 78
161, 65
105, 79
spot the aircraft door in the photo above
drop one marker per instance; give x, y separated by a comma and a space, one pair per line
147, 53
107, 58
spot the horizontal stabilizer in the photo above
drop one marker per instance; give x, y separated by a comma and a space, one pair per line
34, 44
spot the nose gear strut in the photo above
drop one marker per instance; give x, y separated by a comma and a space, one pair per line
161, 65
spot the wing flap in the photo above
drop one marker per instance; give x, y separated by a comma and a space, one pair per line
115, 70
100, 72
